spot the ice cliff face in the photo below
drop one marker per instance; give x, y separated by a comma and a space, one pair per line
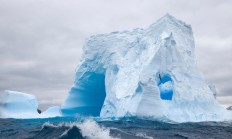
144, 72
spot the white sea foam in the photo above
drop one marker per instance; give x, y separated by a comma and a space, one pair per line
89, 128
143, 135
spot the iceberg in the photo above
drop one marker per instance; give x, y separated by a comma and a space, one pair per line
15, 104
144, 72
20, 105
147, 73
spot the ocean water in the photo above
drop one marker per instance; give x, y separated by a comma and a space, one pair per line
96, 128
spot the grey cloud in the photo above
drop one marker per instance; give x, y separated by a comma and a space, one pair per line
41, 41
226, 100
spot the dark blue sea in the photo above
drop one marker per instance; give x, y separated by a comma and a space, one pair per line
95, 128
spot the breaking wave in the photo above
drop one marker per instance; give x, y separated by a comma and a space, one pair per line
97, 128
89, 129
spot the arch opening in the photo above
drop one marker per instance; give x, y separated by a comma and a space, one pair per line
87, 95
165, 86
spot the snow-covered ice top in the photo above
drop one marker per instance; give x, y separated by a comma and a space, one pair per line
144, 72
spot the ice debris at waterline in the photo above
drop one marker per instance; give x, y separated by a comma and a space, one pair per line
21, 105
145, 73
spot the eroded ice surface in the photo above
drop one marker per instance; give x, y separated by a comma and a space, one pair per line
144, 72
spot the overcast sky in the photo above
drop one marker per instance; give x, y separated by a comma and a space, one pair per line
41, 40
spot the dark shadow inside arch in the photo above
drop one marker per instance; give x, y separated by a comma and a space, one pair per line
88, 95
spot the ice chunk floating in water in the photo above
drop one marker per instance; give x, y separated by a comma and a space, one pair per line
18, 105
15, 104
144, 72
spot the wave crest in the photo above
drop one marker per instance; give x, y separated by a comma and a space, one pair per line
89, 129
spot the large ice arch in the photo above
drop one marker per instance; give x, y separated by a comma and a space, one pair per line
117, 76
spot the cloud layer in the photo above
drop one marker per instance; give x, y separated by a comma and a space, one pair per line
41, 41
